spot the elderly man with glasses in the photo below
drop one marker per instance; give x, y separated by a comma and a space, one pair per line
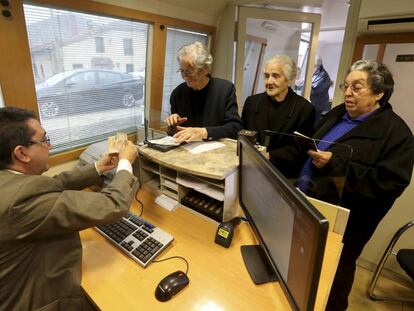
203, 107
40, 216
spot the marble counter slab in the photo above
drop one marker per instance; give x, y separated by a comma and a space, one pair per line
216, 164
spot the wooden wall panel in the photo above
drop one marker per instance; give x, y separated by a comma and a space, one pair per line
157, 74
16, 75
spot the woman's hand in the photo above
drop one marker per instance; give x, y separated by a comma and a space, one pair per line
320, 158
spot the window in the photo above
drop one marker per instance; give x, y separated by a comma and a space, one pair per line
83, 79
106, 77
35, 72
82, 95
176, 38
129, 67
99, 45
43, 71
128, 48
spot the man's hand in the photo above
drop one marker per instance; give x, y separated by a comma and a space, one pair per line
188, 134
107, 162
320, 158
110, 161
174, 120
129, 152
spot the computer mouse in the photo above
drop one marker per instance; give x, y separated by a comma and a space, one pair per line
171, 285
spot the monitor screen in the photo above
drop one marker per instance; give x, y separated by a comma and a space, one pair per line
291, 232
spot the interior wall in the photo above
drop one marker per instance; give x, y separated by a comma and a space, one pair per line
223, 53
383, 8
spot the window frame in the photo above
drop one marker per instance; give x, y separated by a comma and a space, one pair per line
19, 89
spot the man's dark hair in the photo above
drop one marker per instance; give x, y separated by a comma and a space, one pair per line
14, 131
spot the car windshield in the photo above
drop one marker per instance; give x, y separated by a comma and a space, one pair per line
53, 80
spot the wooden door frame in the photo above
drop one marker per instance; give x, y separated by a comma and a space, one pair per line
382, 40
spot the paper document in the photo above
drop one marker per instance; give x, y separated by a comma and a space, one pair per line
170, 184
201, 186
117, 143
167, 141
199, 147
166, 202
305, 141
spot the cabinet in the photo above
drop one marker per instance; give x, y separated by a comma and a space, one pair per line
206, 183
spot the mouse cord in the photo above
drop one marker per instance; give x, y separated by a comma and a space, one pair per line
174, 257
140, 203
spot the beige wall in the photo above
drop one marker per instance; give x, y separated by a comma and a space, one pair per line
223, 52
384, 8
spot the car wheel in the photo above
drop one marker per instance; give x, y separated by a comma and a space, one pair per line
49, 109
128, 100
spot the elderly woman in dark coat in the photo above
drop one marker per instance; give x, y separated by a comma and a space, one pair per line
278, 110
380, 164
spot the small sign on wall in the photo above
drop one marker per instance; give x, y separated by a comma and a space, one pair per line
405, 58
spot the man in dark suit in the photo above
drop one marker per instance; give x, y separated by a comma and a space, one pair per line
203, 107
40, 216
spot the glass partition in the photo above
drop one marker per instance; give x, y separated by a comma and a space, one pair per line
320, 179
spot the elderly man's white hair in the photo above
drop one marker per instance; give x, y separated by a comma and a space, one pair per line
288, 66
197, 53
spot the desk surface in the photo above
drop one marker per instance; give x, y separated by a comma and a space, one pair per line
217, 163
218, 277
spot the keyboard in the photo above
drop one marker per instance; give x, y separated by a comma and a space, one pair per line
137, 238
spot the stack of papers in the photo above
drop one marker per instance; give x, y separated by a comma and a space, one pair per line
166, 141
166, 202
305, 141
201, 186
199, 147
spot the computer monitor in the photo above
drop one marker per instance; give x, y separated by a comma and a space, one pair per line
290, 231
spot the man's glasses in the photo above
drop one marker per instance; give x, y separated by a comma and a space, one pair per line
187, 72
44, 140
355, 88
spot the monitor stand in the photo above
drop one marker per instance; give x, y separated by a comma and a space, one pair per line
257, 264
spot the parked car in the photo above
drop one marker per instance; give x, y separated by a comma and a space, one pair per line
87, 90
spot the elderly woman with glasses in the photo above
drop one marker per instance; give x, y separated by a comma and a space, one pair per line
377, 165
203, 107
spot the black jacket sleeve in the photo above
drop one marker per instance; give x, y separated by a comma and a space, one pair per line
232, 122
